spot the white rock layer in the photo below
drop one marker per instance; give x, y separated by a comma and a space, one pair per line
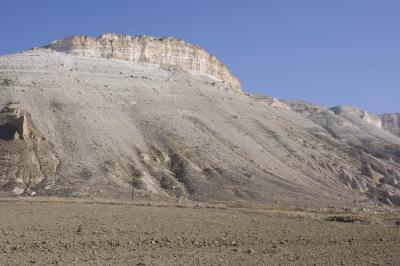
161, 51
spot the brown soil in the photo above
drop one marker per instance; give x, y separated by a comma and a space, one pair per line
79, 233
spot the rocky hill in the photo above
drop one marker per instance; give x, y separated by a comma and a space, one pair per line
121, 117
391, 122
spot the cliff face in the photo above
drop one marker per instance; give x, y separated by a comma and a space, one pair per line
160, 51
391, 122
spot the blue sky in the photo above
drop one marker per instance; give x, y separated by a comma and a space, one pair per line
323, 51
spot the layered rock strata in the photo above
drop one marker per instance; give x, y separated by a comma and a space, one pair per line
160, 51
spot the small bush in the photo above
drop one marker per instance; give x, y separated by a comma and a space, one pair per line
137, 183
7, 82
136, 172
207, 171
166, 182
178, 192
347, 219
55, 105
80, 229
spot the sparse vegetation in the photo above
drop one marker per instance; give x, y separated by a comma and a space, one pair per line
137, 182
348, 219
6, 82
207, 171
80, 229
56, 106
167, 182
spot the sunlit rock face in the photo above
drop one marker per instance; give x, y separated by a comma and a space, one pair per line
391, 122
161, 51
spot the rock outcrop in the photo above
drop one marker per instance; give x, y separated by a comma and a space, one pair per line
161, 51
351, 113
27, 161
270, 101
391, 122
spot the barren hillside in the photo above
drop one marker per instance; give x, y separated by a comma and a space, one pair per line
94, 118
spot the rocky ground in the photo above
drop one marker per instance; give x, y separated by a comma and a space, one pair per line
89, 233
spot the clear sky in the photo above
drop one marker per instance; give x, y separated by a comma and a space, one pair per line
330, 52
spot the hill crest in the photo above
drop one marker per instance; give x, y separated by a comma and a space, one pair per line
166, 51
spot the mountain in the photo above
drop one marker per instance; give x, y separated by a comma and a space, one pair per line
120, 116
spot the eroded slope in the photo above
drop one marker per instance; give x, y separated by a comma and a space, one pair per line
125, 129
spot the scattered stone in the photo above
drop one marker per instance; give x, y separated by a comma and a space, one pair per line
251, 251
80, 229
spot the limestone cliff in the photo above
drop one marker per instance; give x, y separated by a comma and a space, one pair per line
391, 122
161, 51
